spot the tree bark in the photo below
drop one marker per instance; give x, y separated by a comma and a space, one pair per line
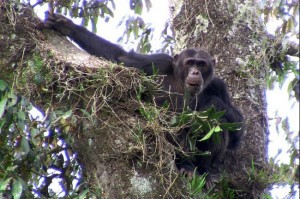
228, 30
118, 162
119, 151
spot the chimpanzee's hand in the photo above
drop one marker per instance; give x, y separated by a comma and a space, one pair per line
59, 23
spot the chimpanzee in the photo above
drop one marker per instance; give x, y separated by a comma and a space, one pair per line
190, 73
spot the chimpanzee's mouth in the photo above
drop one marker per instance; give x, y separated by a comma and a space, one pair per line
193, 84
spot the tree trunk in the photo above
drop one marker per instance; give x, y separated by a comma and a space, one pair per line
231, 31
122, 154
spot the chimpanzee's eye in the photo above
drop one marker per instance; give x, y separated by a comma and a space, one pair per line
189, 62
201, 63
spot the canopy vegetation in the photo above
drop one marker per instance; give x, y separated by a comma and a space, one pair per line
96, 138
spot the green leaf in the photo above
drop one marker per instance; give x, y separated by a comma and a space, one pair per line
4, 184
21, 125
3, 85
218, 129
13, 100
21, 115
38, 79
67, 114
33, 133
212, 113
85, 113
174, 121
290, 25
2, 106
94, 23
296, 10
25, 145
17, 189
135, 30
209, 134
290, 86
192, 143
11, 168
138, 7
218, 115
284, 27
231, 126
2, 122
109, 12
83, 194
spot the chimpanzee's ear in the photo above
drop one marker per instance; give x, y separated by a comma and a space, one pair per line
175, 57
213, 61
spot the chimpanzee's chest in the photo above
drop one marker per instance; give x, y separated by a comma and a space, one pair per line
170, 92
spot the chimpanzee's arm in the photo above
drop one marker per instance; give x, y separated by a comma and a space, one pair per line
100, 47
216, 94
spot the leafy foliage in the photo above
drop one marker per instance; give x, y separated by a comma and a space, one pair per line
87, 10
283, 10
208, 122
196, 185
285, 61
32, 151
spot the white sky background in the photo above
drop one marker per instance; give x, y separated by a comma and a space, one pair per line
279, 104
157, 17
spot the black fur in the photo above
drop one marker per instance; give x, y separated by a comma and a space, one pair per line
190, 72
